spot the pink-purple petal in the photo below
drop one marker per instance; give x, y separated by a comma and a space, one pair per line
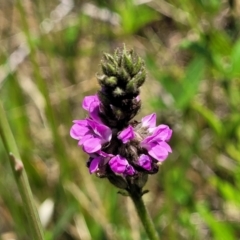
166, 146
118, 164
127, 134
162, 132
94, 165
92, 145
129, 170
145, 162
85, 138
149, 121
101, 131
158, 152
88, 100
77, 131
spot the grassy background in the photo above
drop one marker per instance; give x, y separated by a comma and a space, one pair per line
50, 53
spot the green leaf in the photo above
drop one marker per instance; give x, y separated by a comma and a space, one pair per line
190, 83
134, 17
209, 116
220, 230
235, 57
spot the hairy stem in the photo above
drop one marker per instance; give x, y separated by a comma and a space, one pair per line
144, 217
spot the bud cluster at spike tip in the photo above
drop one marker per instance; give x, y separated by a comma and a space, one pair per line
120, 148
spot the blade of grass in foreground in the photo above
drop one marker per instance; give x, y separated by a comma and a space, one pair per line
20, 177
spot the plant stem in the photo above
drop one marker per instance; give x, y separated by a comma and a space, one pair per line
20, 177
144, 217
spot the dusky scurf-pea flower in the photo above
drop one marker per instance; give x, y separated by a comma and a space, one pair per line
91, 134
121, 149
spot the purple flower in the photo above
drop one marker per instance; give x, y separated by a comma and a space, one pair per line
92, 105
98, 160
155, 143
127, 134
120, 165
91, 134
145, 162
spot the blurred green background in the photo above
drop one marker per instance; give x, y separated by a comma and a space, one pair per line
50, 53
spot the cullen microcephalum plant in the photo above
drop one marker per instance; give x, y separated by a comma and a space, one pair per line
121, 148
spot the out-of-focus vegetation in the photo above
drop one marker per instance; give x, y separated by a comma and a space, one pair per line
50, 53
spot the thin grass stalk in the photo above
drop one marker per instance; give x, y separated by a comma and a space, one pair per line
41, 83
20, 175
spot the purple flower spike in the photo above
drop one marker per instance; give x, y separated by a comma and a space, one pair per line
120, 165
120, 147
127, 134
145, 162
91, 135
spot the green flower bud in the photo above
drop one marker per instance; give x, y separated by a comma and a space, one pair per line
139, 79
128, 63
110, 59
109, 69
123, 75
111, 81
101, 79
131, 87
137, 66
118, 92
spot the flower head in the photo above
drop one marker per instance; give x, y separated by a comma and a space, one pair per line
119, 148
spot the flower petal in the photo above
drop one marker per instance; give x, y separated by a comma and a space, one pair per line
100, 130
158, 151
166, 146
118, 164
149, 121
91, 104
129, 170
88, 100
92, 145
126, 135
162, 132
94, 112
94, 164
79, 129
85, 138
145, 162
